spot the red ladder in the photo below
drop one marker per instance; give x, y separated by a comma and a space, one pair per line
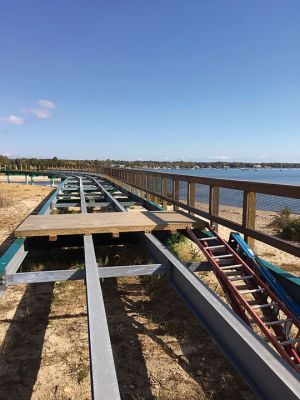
251, 298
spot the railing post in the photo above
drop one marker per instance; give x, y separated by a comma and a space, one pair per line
155, 188
130, 182
249, 215
151, 177
191, 195
127, 180
214, 203
140, 183
148, 197
176, 192
136, 183
164, 189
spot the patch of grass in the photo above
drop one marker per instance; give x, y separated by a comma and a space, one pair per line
282, 218
82, 373
184, 248
176, 239
287, 227
175, 243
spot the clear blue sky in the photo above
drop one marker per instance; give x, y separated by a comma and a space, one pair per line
150, 79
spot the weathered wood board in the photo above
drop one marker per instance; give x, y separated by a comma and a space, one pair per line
114, 222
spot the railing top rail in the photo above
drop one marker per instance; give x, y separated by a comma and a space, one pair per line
275, 189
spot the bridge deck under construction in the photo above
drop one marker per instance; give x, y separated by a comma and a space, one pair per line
108, 222
253, 358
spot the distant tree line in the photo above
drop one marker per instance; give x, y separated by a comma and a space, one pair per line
42, 163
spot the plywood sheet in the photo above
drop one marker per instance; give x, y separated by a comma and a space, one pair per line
114, 222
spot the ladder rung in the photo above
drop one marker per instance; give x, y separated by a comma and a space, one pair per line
263, 305
241, 278
242, 287
231, 266
279, 321
290, 341
253, 321
252, 291
208, 238
221, 246
232, 273
268, 339
224, 256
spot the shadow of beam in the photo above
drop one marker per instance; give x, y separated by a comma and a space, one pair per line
129, 361
22, 347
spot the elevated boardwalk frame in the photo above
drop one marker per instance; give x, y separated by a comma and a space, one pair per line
250, 355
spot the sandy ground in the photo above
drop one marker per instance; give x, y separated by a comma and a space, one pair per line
160, 350
20, 200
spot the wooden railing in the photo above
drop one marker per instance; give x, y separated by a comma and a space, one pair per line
164, 188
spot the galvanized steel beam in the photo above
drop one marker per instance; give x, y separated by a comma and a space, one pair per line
104, 381
270, 377
116, 204
78, 274
103, 372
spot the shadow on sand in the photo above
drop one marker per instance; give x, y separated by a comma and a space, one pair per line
21, 349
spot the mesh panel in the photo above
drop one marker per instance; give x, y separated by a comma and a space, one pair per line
202, 196
268, 207
159, 184
170, 188
144, 181
277, 203
231, 204
182, 191
150, 182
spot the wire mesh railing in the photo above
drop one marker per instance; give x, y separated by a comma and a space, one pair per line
243, 206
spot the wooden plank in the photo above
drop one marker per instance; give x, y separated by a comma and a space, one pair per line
155, 189
164, 189
249, 215
191, 194
74, 224
214, 203
148, 196
176, 192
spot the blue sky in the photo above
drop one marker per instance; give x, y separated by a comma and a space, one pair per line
149, 79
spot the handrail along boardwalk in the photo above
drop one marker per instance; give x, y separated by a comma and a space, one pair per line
129, 177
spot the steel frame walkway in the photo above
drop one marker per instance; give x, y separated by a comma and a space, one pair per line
253, 358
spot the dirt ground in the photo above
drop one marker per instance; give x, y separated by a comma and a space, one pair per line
19, 200
160, 350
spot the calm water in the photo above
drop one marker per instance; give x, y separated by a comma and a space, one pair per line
235, 197
287, 176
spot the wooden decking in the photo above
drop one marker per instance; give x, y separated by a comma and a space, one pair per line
115, 223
